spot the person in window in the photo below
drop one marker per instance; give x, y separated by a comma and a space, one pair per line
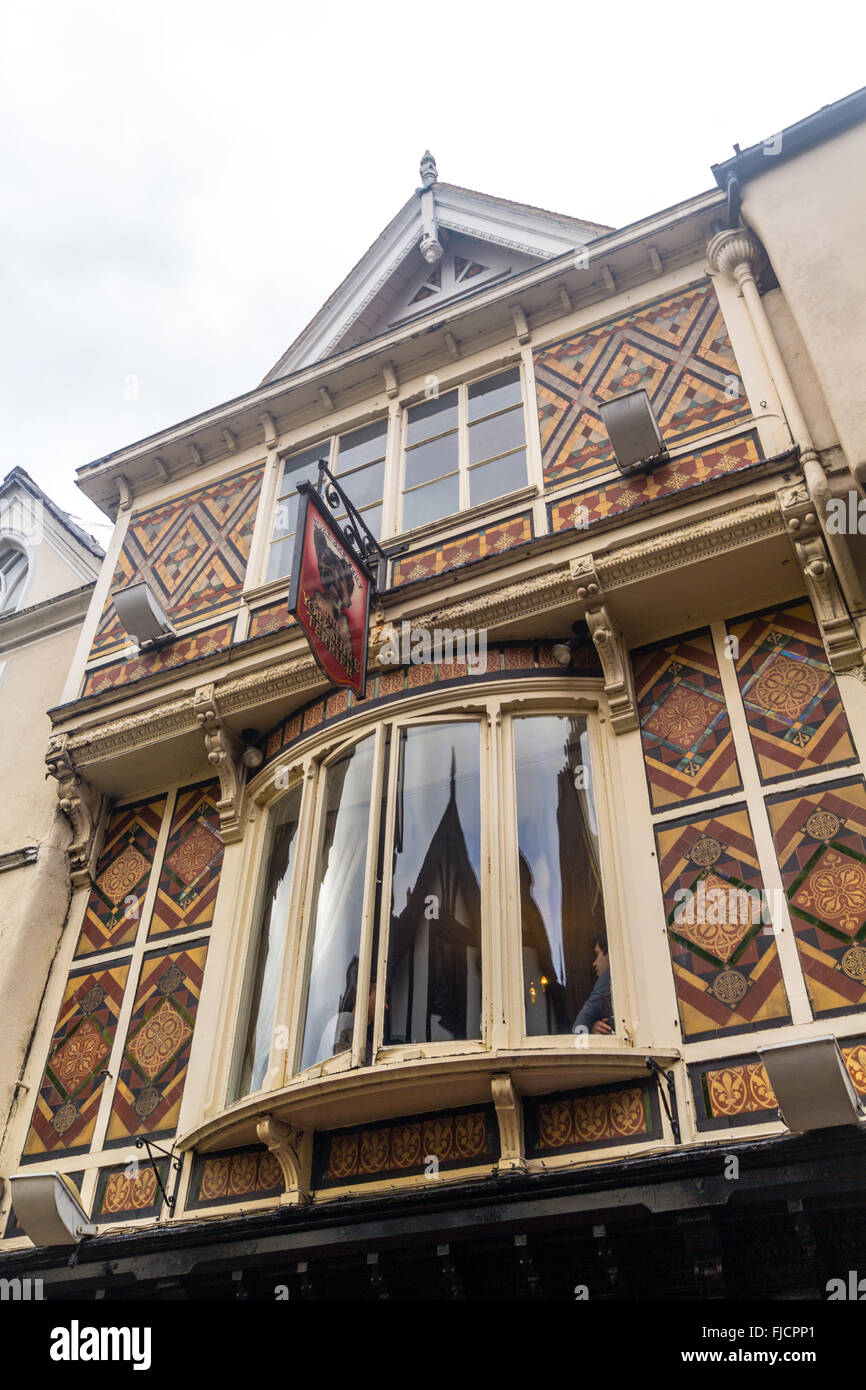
596, 1015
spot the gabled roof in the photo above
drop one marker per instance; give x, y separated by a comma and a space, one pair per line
23, 479
439, 225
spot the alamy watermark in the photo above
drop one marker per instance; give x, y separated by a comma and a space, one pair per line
419, 646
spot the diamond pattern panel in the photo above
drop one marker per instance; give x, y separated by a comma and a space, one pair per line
820, 839
187, 888
122, 875
153, 1072
675, 348
688, 746
594, 505
192, 551
70, 1091
206, 642
795, 717
463, 550
723, 952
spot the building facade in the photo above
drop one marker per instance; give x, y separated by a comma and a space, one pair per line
460, 985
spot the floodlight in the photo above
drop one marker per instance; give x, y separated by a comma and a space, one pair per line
633, 431
142, 615
812, 1084
49, 1208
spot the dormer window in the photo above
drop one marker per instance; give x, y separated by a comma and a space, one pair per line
13, 574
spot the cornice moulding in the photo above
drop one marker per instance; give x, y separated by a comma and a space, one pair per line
298, 675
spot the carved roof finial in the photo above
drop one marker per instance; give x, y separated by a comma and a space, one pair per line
429, 172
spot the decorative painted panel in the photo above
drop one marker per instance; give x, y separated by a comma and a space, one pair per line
272, 617
725, 960
593, 1118
463, 550
241, 1175
403, 1148
739, 1091
206, 642
114, 907
188, 884
154, 1066
66, 1108
192, 550
820, 838
688, 746
124, 1195
676, 348
790, 695
592, 506
519, 658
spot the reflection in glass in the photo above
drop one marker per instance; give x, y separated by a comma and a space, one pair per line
433, 991
273, 919
561, 903
338, 905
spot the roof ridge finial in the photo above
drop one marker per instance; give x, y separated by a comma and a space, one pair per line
428, 170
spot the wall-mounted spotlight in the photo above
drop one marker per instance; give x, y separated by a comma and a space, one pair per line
252, 757
633, 431
141, 615
564, 651
49, 1208
812, 1084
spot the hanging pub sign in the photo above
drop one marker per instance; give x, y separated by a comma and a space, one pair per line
330, 594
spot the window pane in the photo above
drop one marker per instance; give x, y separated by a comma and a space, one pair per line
362, 446
434, 949
273, 919
280, 558
431, 417
338, 905
431, 502
496, 436
494, 393
496, 478
431, 460
365, 485
561, 904
286, 516
303, 467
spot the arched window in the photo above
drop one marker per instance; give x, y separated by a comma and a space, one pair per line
13, 573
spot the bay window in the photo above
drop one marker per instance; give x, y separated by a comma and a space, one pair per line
415, 878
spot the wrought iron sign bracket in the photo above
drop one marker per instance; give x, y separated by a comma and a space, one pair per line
175, 1164
670, 1105
355, 532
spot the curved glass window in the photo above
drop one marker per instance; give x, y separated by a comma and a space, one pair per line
390, 936
566, 974
434, 944
339, 900
273, 919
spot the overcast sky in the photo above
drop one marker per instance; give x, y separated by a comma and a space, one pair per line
183, 184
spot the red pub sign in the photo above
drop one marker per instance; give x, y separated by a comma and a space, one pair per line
330, 595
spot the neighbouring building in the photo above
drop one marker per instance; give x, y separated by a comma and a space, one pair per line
48, 568
325, 955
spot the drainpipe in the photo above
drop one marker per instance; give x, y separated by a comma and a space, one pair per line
735, 254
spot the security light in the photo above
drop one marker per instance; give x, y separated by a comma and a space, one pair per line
812, 1084
252, 757
48, 1208
142, 615
633, 431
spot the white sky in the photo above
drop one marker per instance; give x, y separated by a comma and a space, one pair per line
184, 183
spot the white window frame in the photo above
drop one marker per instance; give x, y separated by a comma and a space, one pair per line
464, 469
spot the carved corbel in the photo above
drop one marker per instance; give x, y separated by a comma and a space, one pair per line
507, 1104
837, 630
293, 1151
610, 645
224, 752
82, 806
